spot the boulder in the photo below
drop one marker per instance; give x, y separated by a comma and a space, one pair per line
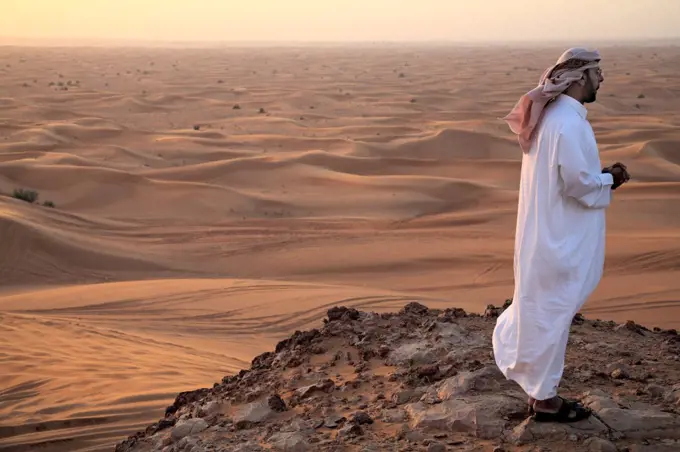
188, 427
642, 424
596, 444
289, 442
530, 431
484, 417
486, 379
451, 415
412, 353
393, 416
637, 420
252, 413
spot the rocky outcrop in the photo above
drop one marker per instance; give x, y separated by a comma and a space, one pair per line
425, 380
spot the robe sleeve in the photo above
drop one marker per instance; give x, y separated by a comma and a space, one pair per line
588, 185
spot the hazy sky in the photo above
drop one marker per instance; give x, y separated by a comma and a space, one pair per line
346, 20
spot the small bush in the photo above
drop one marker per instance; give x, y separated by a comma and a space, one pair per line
641, 96
48, 204
25, 195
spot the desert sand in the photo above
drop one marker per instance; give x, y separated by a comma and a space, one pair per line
210, 202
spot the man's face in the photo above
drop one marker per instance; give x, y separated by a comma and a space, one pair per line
593, 79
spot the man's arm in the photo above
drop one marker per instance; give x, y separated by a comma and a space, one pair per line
589, 186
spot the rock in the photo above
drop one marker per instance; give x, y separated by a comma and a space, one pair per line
412, 353
620, 374
209, 408
673, 397
596, 444
530, 431
342, 313
188, 444
444, 392
598, 400
451, 415
326, 386
619, 367
248, 447
415, 309
383, 351
407, 396
430, 397
188, 427
451, 314
334, 421
631, 326
276, 403
483, 416
436, 447
655, 390
251, 414
483, 380
393, 416
361, 418
493, 411
289, 442
619, 370
428, 371
414, 436
454, 334
655, 448
642, 424
592, 347
492, 311
161, 441
350, 430
299, 426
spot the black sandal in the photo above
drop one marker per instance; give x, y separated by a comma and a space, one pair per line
570, 411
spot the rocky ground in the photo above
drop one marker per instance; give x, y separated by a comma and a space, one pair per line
425, 380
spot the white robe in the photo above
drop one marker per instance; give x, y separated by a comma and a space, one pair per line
559, 247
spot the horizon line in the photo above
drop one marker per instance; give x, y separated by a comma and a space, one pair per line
8, 41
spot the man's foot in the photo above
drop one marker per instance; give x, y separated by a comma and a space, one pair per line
561, 410
549, 405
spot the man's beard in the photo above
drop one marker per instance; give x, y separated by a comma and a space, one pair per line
592, 93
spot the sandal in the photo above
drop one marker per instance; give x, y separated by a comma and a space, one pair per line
570, 411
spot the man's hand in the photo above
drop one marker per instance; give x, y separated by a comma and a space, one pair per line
619, 172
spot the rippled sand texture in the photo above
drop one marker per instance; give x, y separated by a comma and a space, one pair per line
211, 202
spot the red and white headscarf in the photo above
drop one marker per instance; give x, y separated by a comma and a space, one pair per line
526, 114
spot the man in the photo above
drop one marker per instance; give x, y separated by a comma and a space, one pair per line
560, 237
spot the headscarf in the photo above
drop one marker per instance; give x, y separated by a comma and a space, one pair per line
527, 113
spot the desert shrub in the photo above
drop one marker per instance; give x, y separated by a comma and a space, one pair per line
48, 204
25, 195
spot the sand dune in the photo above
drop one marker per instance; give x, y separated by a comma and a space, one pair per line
209, 202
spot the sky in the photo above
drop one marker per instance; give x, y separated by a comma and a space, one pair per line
345, 20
